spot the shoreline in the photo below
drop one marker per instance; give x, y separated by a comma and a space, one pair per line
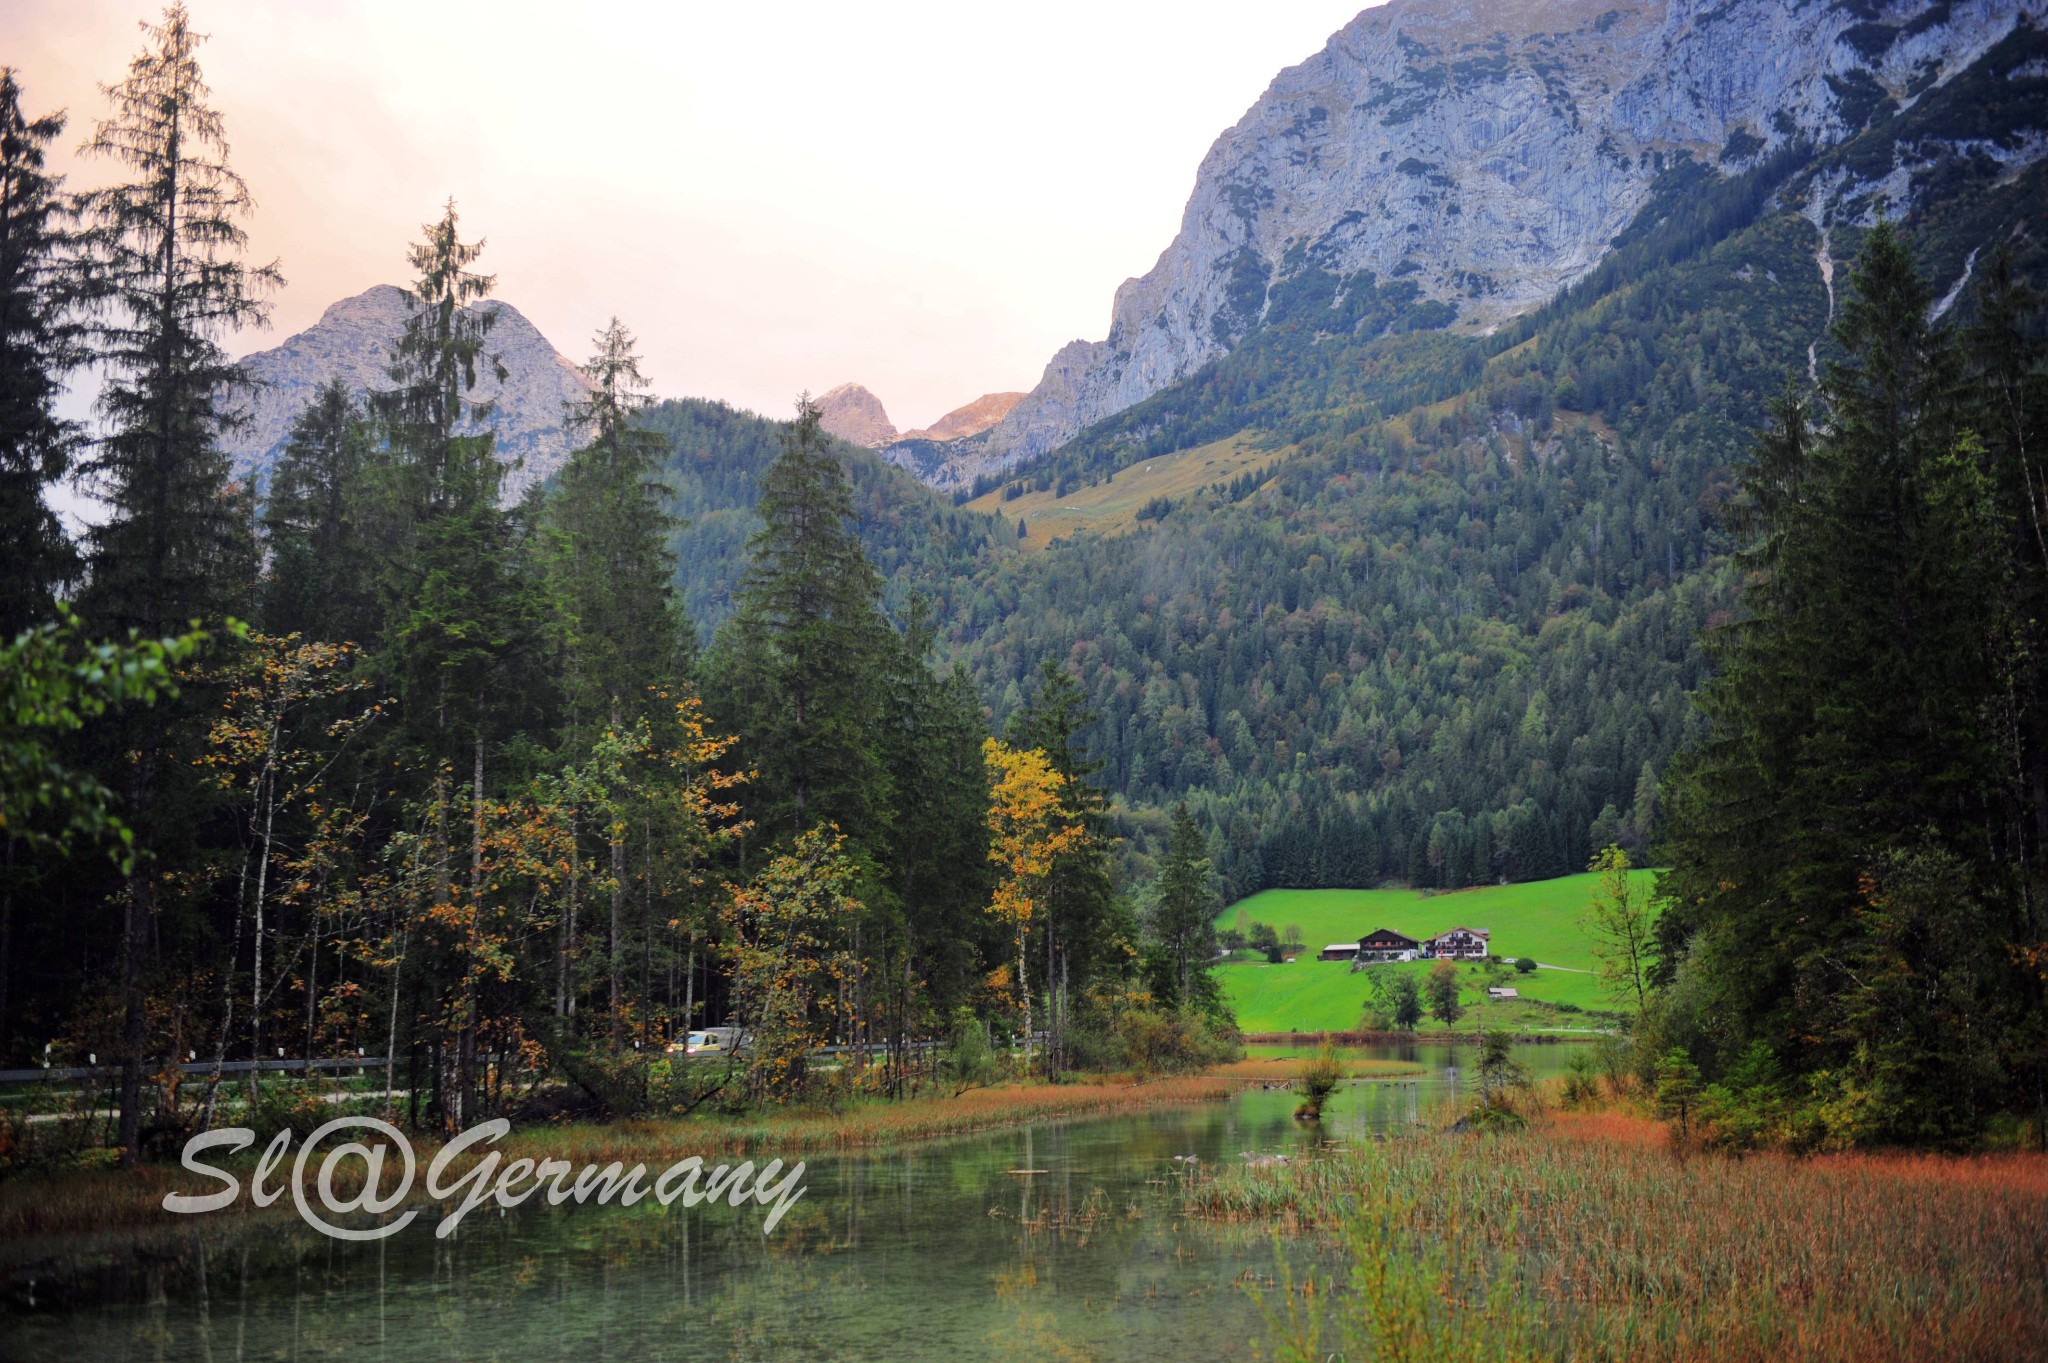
50, 1213
1357, 1038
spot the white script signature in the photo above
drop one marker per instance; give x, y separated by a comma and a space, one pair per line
485, 1182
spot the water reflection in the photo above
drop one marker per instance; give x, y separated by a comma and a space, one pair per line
1053, 1241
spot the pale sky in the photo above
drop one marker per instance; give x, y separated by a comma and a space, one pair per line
928, 199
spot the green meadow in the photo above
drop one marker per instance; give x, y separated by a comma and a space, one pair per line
1540, 919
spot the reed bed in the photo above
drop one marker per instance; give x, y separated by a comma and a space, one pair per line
1587, 1238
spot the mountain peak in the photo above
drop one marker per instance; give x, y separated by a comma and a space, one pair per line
970, 420
352, 342
855, 415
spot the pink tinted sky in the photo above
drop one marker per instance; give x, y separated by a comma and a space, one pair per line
928, 199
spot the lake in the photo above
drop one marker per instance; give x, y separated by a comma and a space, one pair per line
938, 1250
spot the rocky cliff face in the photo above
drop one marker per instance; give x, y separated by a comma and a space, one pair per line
855, 415
352, 342
963, 423
1467, 159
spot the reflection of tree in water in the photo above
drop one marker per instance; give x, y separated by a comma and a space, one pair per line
932, 1250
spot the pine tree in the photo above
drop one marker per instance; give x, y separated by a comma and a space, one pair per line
459, 610
924, 923
164, 251
41, 338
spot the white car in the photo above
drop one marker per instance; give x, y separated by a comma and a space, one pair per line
708, 1041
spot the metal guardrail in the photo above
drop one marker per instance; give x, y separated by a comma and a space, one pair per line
40, 1073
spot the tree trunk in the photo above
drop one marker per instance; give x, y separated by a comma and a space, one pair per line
138, 904
6, 936
267, 798
391, 1036
569, 941
312, 984
227, 1002
1024, 992
647, 917
618, 868
465, 1040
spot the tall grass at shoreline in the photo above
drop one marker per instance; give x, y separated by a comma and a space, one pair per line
1589, 1238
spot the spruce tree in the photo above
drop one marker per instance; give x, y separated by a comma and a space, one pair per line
321, 576
611, 567
799, 675
460, 642
165, 247
1852, 709
623, 638
927, 921
1183, 915
164, 250
41, 338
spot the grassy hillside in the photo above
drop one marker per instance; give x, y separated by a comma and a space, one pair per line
1539, 919
1112, 506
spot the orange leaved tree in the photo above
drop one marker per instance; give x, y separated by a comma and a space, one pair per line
1029, 828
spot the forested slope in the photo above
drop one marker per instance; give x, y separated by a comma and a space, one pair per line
718, 455
1449, 640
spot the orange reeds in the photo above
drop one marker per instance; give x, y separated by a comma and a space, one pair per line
1592, 1239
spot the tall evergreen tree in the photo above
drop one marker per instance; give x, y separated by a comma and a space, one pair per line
928, 925
41, 338
1852, 710
164, 249
1183, 916
461, 640
611, 570
609, 529
2009, 412
800, 667
458, 609
321, 577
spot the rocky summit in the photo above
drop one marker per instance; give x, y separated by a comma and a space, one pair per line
1460, 163
352, 342
964, 423
855, 415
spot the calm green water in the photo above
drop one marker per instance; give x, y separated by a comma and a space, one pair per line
932, 1252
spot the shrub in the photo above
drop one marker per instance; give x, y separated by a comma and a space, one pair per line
1318, 1079
1678, 1090
287, 1105
1500, 1075
1172, 1041
1581, 1081
969, 1060
1524, 966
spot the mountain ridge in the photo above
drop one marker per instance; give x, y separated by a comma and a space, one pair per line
1518, 141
